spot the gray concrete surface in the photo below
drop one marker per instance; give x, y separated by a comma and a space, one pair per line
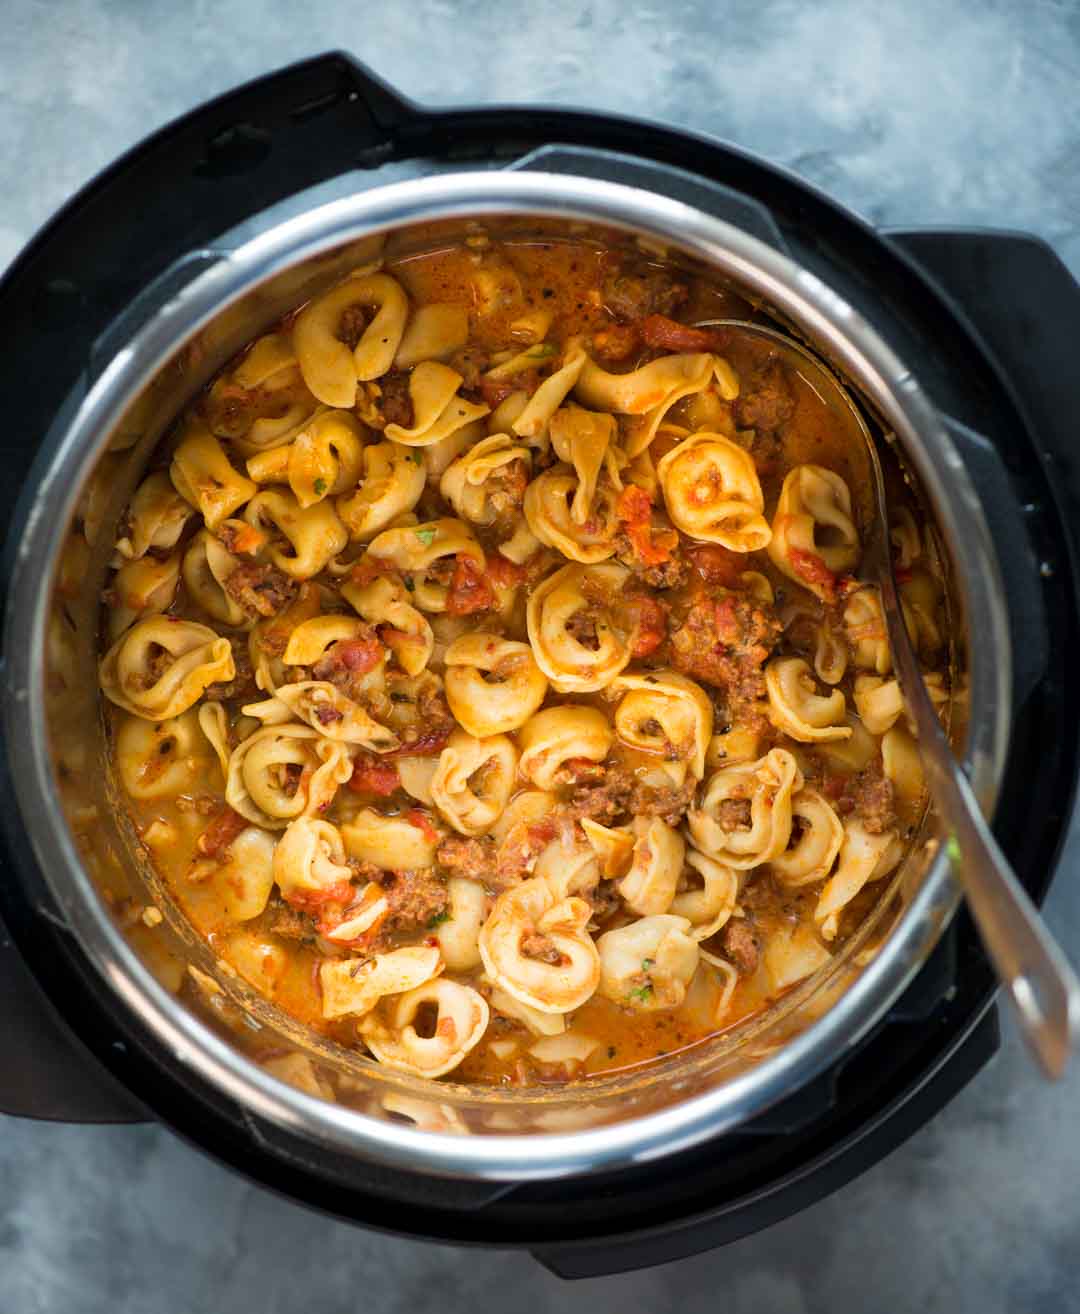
956, 112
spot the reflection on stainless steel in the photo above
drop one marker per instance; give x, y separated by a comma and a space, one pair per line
92, 866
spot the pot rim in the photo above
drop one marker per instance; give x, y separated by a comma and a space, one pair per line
853, 344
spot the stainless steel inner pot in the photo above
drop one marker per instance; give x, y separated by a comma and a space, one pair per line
179, 333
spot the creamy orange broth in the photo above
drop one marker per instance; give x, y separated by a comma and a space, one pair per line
566, 279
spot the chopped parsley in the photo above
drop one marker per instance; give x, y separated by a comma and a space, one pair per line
438, 919
426, 534
952, 848
642, 993
646, 963
320, 487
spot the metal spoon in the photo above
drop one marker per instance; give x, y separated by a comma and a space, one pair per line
1037, 977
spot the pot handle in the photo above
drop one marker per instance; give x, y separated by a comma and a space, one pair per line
47, 1073
175, 193
702, 193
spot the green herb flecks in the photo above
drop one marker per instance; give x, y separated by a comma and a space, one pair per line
320, 487
438, 919
426, 534
410, 583
952, 848
642, 993
646, 963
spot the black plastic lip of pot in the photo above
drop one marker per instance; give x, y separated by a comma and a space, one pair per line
243, 152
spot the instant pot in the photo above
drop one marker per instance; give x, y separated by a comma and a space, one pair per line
957, 344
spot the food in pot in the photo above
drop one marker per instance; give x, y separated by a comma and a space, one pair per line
489, 675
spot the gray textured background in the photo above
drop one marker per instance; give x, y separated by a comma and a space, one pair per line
958, 112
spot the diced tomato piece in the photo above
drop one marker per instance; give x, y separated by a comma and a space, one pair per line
812, 570
716, 564
371, 775
634, 509
665, 334
503, 573
221, 832
419, 818
358, 655
903, 574
315, 901
469, 590
647, 618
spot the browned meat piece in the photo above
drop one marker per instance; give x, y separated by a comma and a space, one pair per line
260, 590
765, 401
648, 292
541, 948
472, 858
867, 797
242, 686
352, 325
470, 363
605, 899
602, 802
615, 343
733, 813
395, 404
724, 641
416, 899
668, 574
288, 922
668, 804
522, 845
739, 944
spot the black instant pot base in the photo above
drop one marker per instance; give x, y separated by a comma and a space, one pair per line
240, 154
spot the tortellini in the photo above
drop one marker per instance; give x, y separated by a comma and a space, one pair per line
390, 486
263, 400
461, 1018
350, 988
712, 492
385, 602
863, 857
459, 934
798, 709
326, 709
162, 666
474, 484
709, 907
313, 535
664, 713
203, 475
561, 734
155, 519
746, 811
651, 390
207, 566
438, 410
493, 685
813, 523
535, 946
392, 843
655, 867
811, 856
323, 459
282, 772
649, 964
310, 859
419, 550
164, 758
576, 634
144, 586
330, 368
473, 781
549, 501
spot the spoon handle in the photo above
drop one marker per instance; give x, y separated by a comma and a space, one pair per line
1036, 975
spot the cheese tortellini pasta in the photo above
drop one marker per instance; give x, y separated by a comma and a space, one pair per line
488, 671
